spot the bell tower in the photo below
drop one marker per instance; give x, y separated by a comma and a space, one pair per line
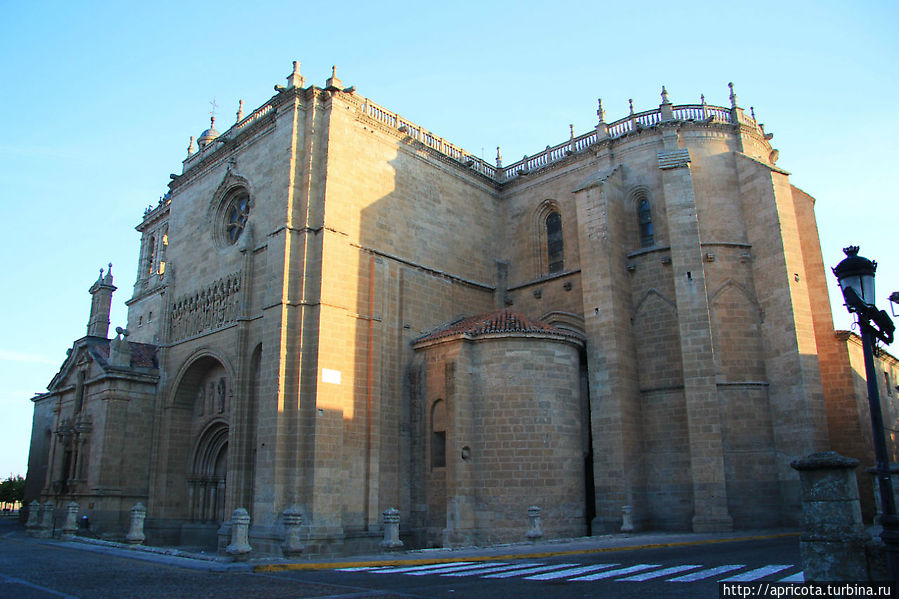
101, 300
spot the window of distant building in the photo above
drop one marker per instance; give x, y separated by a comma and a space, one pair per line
554, 246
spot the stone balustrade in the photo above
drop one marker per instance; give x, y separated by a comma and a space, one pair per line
632, 122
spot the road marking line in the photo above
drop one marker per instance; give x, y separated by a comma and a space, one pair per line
757, 573
360, 569
660, 573
618, 572
798, 577
457, 568
491, 570
417, 568
529, 571
707, 573
570, 572
25, 583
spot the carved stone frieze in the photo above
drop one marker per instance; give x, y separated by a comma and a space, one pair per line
210, 308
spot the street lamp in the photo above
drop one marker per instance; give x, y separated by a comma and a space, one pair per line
856, 277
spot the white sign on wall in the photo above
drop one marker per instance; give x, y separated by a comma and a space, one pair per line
330, 376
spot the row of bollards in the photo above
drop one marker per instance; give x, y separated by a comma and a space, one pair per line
41, 523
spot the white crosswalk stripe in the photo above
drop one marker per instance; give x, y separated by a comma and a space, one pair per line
703, 574
446, 568
496, 569
618, 572
798, 577
570, 572
659, 573
529, 571
417, 568
756, 574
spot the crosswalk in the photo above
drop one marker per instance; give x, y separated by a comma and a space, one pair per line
574, 572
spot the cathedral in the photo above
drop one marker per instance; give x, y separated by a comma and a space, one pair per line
338, 312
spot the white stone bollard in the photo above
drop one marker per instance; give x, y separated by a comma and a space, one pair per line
70, 526
45, 526
34, 510
534, 532
627, 523
239, 548
391, 529
293, 543
135, 534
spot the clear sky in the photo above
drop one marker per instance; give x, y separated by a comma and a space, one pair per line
99, 99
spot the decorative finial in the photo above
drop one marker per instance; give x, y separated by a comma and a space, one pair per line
499, 158
631, 103
665, 96
333, 82
599, 111
191, 147
214, 106
295, 79
852, 250
108, 278
733, 96
239, 110
702, 99
752, 112
571, 127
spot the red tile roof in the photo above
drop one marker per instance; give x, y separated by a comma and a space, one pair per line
501, 321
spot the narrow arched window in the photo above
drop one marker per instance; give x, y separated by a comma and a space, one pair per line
438, 434
644, 218
151, 255
554, 247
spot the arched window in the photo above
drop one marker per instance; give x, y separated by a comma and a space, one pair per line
150, 255
554, 247
644, 219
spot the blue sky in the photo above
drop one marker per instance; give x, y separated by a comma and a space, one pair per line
99, 100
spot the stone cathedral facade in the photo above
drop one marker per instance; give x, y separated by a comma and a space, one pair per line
338, 312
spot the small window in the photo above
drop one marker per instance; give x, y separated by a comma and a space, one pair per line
438, 434
644, 218
554, 246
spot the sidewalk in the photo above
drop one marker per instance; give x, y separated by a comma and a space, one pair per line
541, 549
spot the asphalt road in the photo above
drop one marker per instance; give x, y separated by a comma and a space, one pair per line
32, 568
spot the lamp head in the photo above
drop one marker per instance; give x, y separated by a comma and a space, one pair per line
856, 276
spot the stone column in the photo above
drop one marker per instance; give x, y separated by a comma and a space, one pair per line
705, 431
534, 530
832, 545
34, 509
45, 527
70, 527
135, 535
391, 529
239, 548
293, 543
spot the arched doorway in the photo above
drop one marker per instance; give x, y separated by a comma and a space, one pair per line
208, 475
192, 489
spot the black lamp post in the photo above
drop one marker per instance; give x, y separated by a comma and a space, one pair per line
856, 277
